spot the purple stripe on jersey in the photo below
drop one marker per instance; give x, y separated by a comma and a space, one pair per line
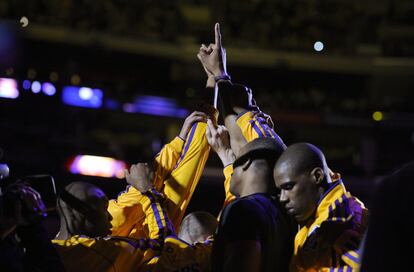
354, 259
348, 269
170, 229
332, 269
253, 124
123, 192
338, 209
340, 269
187, 145
263, 125
345, 204
157, 215
241, 114
332, 186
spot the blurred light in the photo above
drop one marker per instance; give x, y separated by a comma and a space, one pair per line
85, 93
8, 44
27, 84
82, 97
24, 21
54, 76
318, 46
97, 166
31, 73
377, 116
154, 105
4, 171
48, 88
112, 104
8, 88
36, 86
75, 79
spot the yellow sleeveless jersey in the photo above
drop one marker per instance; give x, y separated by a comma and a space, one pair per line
114, 253
178, 168
330, 241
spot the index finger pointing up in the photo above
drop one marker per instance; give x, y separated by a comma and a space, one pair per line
217, 34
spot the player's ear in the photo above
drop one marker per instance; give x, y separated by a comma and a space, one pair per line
247, 164
317, 175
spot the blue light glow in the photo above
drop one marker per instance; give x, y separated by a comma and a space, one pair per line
154, 105
48, 89
82, 97
36, 86
27, 84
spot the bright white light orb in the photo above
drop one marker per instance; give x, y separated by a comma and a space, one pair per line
318, 46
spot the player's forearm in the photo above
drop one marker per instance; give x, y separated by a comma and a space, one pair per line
159, 224
226, 156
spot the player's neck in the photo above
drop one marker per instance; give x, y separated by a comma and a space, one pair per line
254, 184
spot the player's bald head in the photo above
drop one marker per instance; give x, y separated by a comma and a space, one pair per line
84, 191
83, 209
197, 226
301, 157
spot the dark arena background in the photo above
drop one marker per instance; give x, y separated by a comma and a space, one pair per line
115, 78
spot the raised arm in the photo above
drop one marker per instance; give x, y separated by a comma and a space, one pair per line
166, 161
218, 139
126, 211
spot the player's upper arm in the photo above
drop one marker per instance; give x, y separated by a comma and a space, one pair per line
167, 159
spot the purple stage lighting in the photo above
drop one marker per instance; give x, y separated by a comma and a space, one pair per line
36, 86
154, 105
27, 84
48, 88
82, 97
8, 88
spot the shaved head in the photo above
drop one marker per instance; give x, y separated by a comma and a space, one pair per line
302, 157
302, 176
197, 227
82, 208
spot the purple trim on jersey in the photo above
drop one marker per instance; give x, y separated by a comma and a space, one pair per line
170, 229
332, 269
187, 146
157, 215
338, 211
263, 124
330, 211
354, 259
241, 114
348, 269
123, 192
340, 269
253, 124
332, 186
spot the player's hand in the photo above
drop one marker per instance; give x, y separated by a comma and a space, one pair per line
196, 116
219, 140
213, 57
140, 176
27, 204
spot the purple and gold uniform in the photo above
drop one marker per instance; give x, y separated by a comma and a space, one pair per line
114, 253
253, 126
178, 168
178, 255
330, 241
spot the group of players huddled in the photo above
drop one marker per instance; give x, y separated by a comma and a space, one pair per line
284, 209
